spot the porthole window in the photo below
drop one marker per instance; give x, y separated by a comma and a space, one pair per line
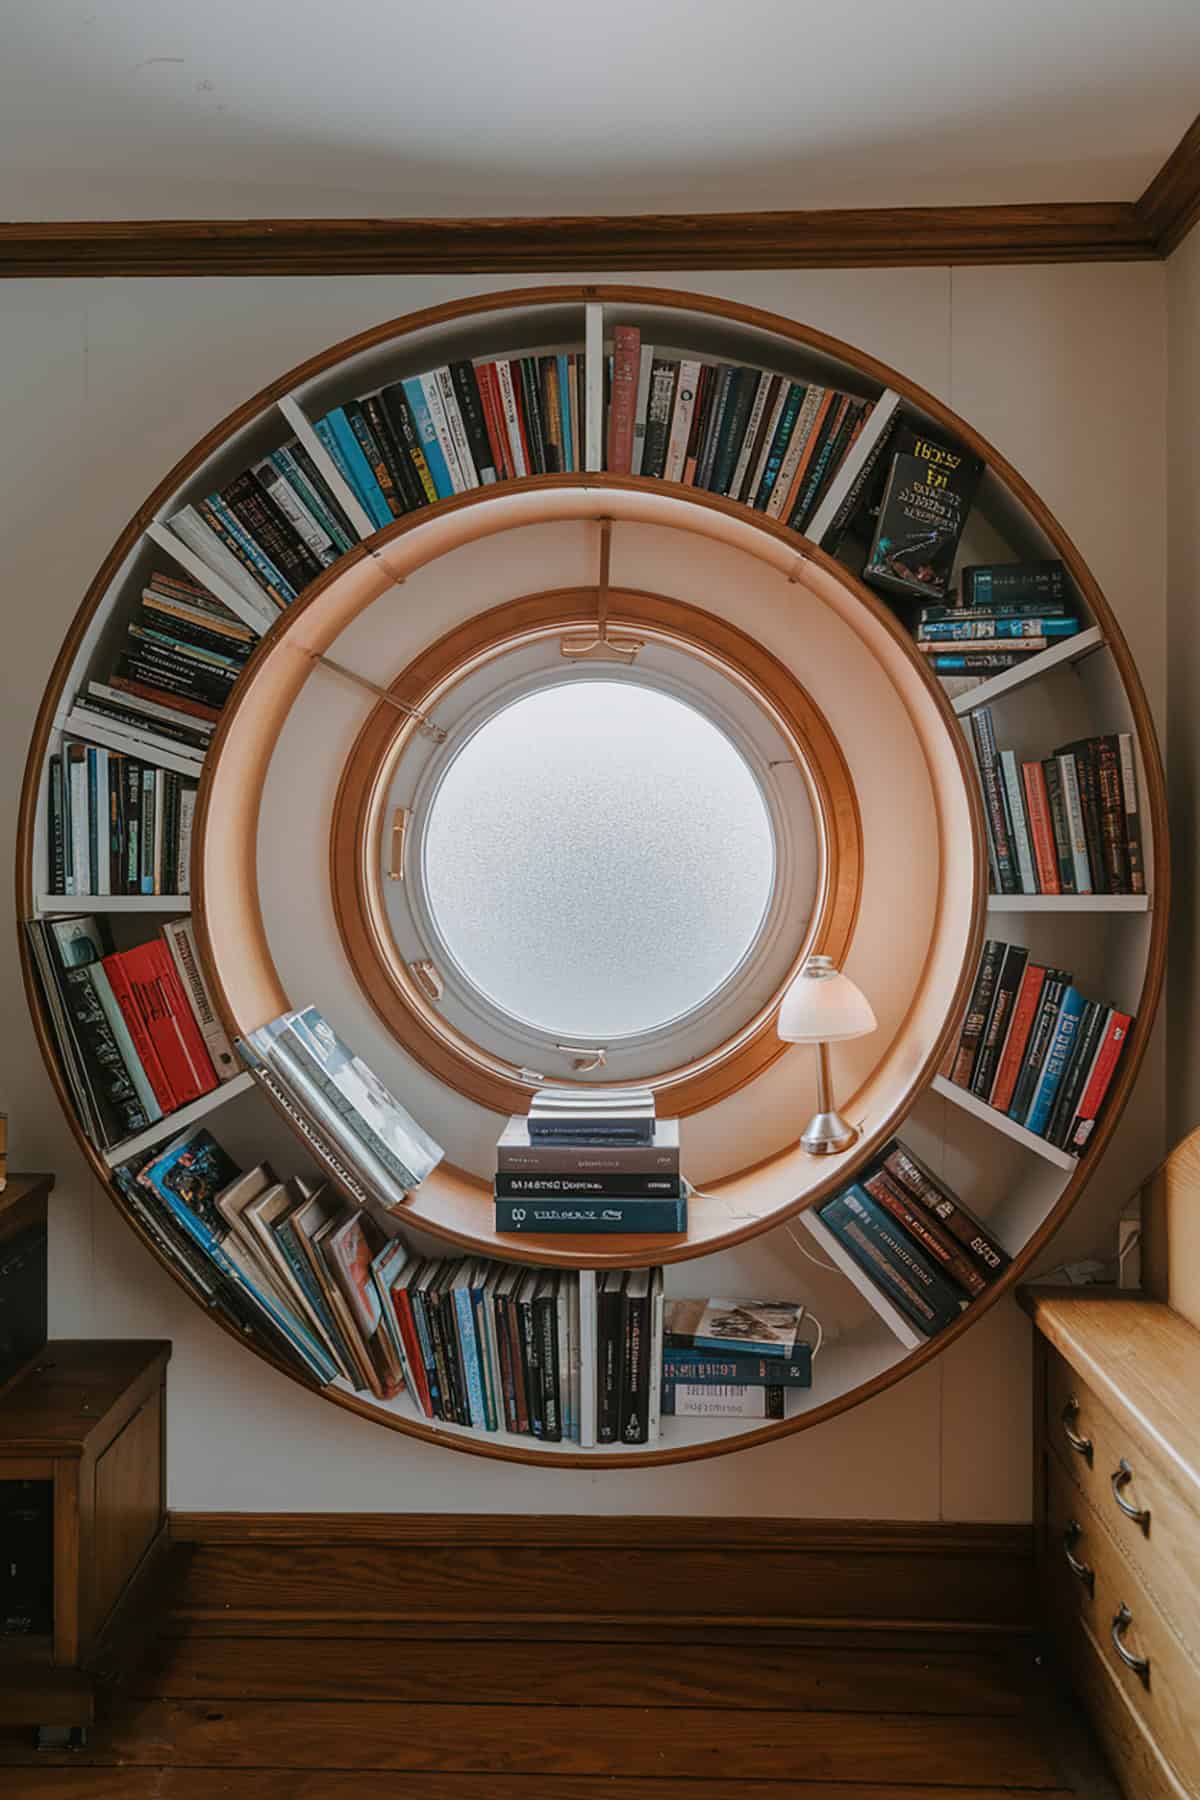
603, 870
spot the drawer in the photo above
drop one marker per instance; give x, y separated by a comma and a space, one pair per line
1113, 1460
1107, 1600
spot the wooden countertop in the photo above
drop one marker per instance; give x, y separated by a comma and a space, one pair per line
1138, 1356
19, 1190
69, 1394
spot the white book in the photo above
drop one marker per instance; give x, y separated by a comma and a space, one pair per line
657, 1341
681, 419
640, 408
200, 551
754, 420
181, 942
431, 388
1011, 775
306, 527
589, 1373
802, 430
882, 414
457, 428
593, 423
692, 1401
160, 827
352, 507
142, 746
153, 709
764, 450
81, 851
103, 871
187, 814
1075, 825
512, 420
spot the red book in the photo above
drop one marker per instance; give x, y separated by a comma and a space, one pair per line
699, 420
143, 1043
1104, 1065
493, 420
1024, 1012
402, 1307
926, 1230
1037, 804
627, 350
169, 1020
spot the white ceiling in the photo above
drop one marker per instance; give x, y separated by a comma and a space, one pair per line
243, 108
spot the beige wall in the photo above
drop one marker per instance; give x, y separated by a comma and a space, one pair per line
1183, 712
104, 384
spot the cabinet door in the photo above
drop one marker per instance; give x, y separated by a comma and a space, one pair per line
128, 1505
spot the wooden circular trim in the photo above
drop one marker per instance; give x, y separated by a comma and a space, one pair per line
358, 897
788, 330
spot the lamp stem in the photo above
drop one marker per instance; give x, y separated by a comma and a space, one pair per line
824, 1090
827, 1131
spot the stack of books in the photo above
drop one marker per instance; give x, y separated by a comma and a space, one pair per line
915, 1239
136, 1029
732, 1359
590, 1160
1068, 824
1004, 614
1034, 1048
117, 825
368, 1142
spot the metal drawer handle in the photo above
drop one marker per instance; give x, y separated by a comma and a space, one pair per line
1140, 1665
1083, 1445
1139, 1514
1085, 1572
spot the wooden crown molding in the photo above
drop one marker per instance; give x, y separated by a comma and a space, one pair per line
861, 238
1170, 205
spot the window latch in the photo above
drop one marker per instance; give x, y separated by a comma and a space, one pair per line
584, 1061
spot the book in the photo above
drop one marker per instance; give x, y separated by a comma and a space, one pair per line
962, 1067
1072, 804
1059, 824
940, 1203
1041, 829
1133, 821
348, 1248
986, 584
626, 358
987, 761
1014, 794
926, 1230
1058, 1053
181, 942
706, 1370
741, 1327
518, 1154
928, 494
1092, 1022
587, 1187
1053, 988
995, 1032
580, 1115
888, 1256
985, 626
682, 1401
613, 1213
1024, 1011
1109, 1049
634, 1400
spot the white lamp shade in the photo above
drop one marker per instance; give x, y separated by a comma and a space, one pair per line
823, 1006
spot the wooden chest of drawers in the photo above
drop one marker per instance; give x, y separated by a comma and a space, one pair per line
1117, 1424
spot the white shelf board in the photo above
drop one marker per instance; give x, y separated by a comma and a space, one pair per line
1001, 1122
49, 905
1068, 903
1083, 644
176, 1121
892, 1317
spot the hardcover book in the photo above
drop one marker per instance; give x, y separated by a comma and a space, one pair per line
758, 1327
925, 504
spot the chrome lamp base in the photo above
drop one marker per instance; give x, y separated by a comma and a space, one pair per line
827, 1133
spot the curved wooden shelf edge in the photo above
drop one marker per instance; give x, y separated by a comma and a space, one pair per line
451, 313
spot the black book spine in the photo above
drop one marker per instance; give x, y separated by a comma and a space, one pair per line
56, 857
189, 676
584, 1187
425, 1337
816, 459
118, 794
1039, 1043
1059, 824
547, 385
546, 1310
1112, 815
316, 481
504, 1356
470, 405
170, 860
433, 1319
120, 1111
663, 377
1007, 983
531, 402
399, 466
1086, 772
609, 1346
1095, 1016
356, 418
854, 514
989, 1255
978, 1012
738, 400
448, 1314
404, 431
984, 735
715, 425
149, 829
531, 1364
271, 529
831, 461
634, 1427
133, 828
186, 631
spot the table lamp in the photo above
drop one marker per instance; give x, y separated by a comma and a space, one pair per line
821, 1007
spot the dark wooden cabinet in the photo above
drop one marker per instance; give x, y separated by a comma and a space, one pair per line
86, 1419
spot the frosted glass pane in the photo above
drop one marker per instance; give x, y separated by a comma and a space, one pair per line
598, 858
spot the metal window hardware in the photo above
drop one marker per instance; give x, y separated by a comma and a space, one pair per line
584, 1061
1081, 1445
621, 647
426, 976
424, 723
1122, 1620
1140, 1515
395, 868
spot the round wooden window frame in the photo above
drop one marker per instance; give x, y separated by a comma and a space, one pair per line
359, 821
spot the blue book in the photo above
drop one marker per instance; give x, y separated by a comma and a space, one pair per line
705, 1368
269, 575
884, 1252
316, 503
1062, 1042
603, 1215
464, 1319
186, 1177
355, 466
564, 411
779, 444
414, 393
484, 1328
967, 630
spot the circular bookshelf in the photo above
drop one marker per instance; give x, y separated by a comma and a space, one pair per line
297, 799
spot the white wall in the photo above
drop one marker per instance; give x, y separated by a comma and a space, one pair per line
104, 384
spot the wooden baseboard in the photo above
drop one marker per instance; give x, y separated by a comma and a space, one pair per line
437, 1572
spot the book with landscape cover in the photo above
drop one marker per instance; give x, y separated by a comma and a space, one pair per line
928, 494
740, 1327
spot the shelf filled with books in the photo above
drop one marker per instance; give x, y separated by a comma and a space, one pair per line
635, 391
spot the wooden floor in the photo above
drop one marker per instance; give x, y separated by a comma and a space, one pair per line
215, 1715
